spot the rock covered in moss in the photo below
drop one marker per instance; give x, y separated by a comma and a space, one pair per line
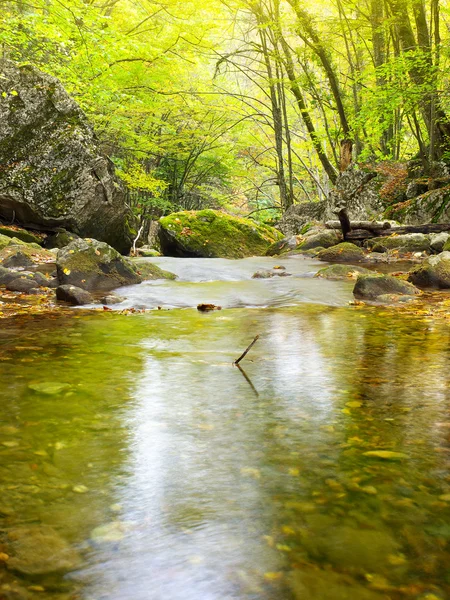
25, 282
371, 287
93, 265
325, 239
408, 242
433, 272
24, 255
438, 241
73, 295
149, 272
60, 239
269, 274
53, 173
343, 252
342, 272
19, 233
210, 233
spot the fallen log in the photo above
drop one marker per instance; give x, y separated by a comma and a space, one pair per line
370, 225
425, 228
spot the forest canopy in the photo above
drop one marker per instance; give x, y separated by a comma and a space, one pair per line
244, 104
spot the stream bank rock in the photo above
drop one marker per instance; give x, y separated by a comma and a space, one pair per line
214, 234
38, 550
53, 174
405, 243
433, 272
342, 253
93, 265
298, 215
321, 584
383, 288
73, 295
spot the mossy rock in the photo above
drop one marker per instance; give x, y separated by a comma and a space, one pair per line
343, 253
4, 241
325, 239
19, 233
148, 271
60, 239
210, 233
342, 272
93, 265
446, 246
371, 287
433, 272
320, 584
408, 242
15, 254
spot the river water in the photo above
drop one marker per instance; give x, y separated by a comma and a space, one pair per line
176, 476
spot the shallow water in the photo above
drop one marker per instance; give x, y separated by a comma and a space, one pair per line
176, 476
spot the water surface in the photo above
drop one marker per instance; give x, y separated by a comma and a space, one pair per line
178, 478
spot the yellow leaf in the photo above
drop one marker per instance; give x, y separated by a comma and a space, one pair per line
353, 404
273, 576
66, 271
294, 472
386, 454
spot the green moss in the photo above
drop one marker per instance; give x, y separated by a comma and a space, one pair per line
212, 233
148, 271
21, 234
342, 272
343, 252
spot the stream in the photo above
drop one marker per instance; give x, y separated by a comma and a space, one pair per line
318, 472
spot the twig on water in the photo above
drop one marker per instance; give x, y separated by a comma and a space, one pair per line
236, 362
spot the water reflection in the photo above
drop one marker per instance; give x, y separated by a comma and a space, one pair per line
199, 488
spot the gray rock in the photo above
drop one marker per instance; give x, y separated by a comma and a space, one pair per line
438, 241
343, 253
284, 245
270, 274
416, 188
433, 272
26, 285
6, 275
357, 190
371, 287
60, 239
73, 295
112, 299
53, 172
93, 265
327, 585
405, 243
38, 550
18, 259
324, 238
298, 215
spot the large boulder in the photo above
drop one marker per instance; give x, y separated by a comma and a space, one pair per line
93, 265
320, 239
210, 233
53, 174
298, 215
433, 272
376, 286
73, 295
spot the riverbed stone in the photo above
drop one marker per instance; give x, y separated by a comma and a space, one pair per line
356, 551
93, 265
73, 295
345, 252
110, 299
433, 272
25, 285
211, 233
7, 275
24, 255
327, 585
39, 550
342, 272
370, 287
325, 238
270, 274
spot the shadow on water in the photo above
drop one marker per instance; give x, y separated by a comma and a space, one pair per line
176, 477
